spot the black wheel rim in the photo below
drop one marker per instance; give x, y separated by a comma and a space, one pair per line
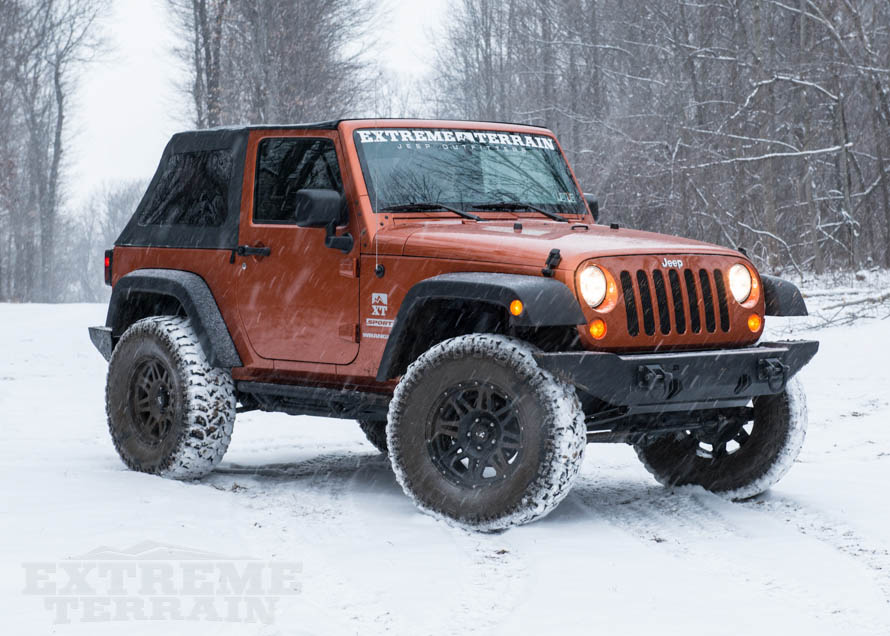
151, 400
716, 444
474, 435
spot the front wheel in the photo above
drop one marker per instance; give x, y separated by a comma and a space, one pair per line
743, 464
479, 434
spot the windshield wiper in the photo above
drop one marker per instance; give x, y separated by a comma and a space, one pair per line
429, 207
515, 205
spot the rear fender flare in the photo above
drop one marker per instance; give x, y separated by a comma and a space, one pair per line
196, 300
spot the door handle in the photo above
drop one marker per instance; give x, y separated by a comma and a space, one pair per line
249, 250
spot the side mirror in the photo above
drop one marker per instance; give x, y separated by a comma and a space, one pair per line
323, 208
319, 208
593, 204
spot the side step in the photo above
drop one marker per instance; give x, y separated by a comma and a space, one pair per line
313, 400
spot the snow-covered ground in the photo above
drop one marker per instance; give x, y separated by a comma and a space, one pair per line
309, 496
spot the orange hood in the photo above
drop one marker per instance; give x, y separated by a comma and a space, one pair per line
498, 242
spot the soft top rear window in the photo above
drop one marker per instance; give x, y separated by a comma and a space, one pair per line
194, 198
193, 190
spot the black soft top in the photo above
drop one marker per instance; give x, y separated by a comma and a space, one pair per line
194, 198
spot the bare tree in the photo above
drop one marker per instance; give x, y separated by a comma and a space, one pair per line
88, 233
44, 44
201, 25
274, 61
762, 124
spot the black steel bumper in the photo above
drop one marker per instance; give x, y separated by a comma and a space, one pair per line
682, 381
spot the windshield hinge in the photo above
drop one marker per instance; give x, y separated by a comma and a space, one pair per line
553, 260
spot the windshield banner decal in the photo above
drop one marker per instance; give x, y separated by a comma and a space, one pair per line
392, 135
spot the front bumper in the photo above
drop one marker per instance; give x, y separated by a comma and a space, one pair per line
660, 382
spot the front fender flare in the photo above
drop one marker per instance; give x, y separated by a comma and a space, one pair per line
546, 303
782, 298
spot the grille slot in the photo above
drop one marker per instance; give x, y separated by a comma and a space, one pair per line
692, 295
630, 305
708, 298
721, 300
646, 303
664, 314
677, 297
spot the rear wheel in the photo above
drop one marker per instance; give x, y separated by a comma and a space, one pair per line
169, 412
479, 434
738, 462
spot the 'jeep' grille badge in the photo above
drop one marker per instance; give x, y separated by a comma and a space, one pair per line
672, 263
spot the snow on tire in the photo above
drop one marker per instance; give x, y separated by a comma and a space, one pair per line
169, 412
766, 452
483, 437
375, 431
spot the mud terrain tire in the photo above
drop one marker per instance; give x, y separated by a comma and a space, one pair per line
481, 436
169, 412
766, 454
376, 433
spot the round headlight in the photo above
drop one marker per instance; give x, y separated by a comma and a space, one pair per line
592, 284
740, 282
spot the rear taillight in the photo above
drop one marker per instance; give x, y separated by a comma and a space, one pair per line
109, 259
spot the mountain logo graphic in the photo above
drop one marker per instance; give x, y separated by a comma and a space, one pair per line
154, 551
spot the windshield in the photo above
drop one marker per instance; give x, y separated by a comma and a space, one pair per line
465, 168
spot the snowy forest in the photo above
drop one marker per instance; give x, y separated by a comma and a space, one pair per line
757, 124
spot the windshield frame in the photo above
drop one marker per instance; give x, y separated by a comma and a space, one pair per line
576, 209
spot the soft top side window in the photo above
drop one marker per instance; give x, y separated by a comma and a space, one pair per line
286, 165
193, 190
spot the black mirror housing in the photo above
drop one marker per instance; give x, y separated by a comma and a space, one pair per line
593, 204
319, 208
327, 209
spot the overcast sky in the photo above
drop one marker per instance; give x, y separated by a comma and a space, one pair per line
127, 106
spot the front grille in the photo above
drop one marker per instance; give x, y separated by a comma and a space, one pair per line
650, 300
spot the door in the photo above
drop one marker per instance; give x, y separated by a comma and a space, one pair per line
300, 302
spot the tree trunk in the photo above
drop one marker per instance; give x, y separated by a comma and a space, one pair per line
880, 150
846, 181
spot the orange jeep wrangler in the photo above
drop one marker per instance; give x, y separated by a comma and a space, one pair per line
446, 284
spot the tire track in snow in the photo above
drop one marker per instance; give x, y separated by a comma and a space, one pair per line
688, 525
497, 580
312, 489
322, 489
653, 513
831, 531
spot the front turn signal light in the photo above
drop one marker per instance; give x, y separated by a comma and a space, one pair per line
755, 322
516, 307
597, 329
